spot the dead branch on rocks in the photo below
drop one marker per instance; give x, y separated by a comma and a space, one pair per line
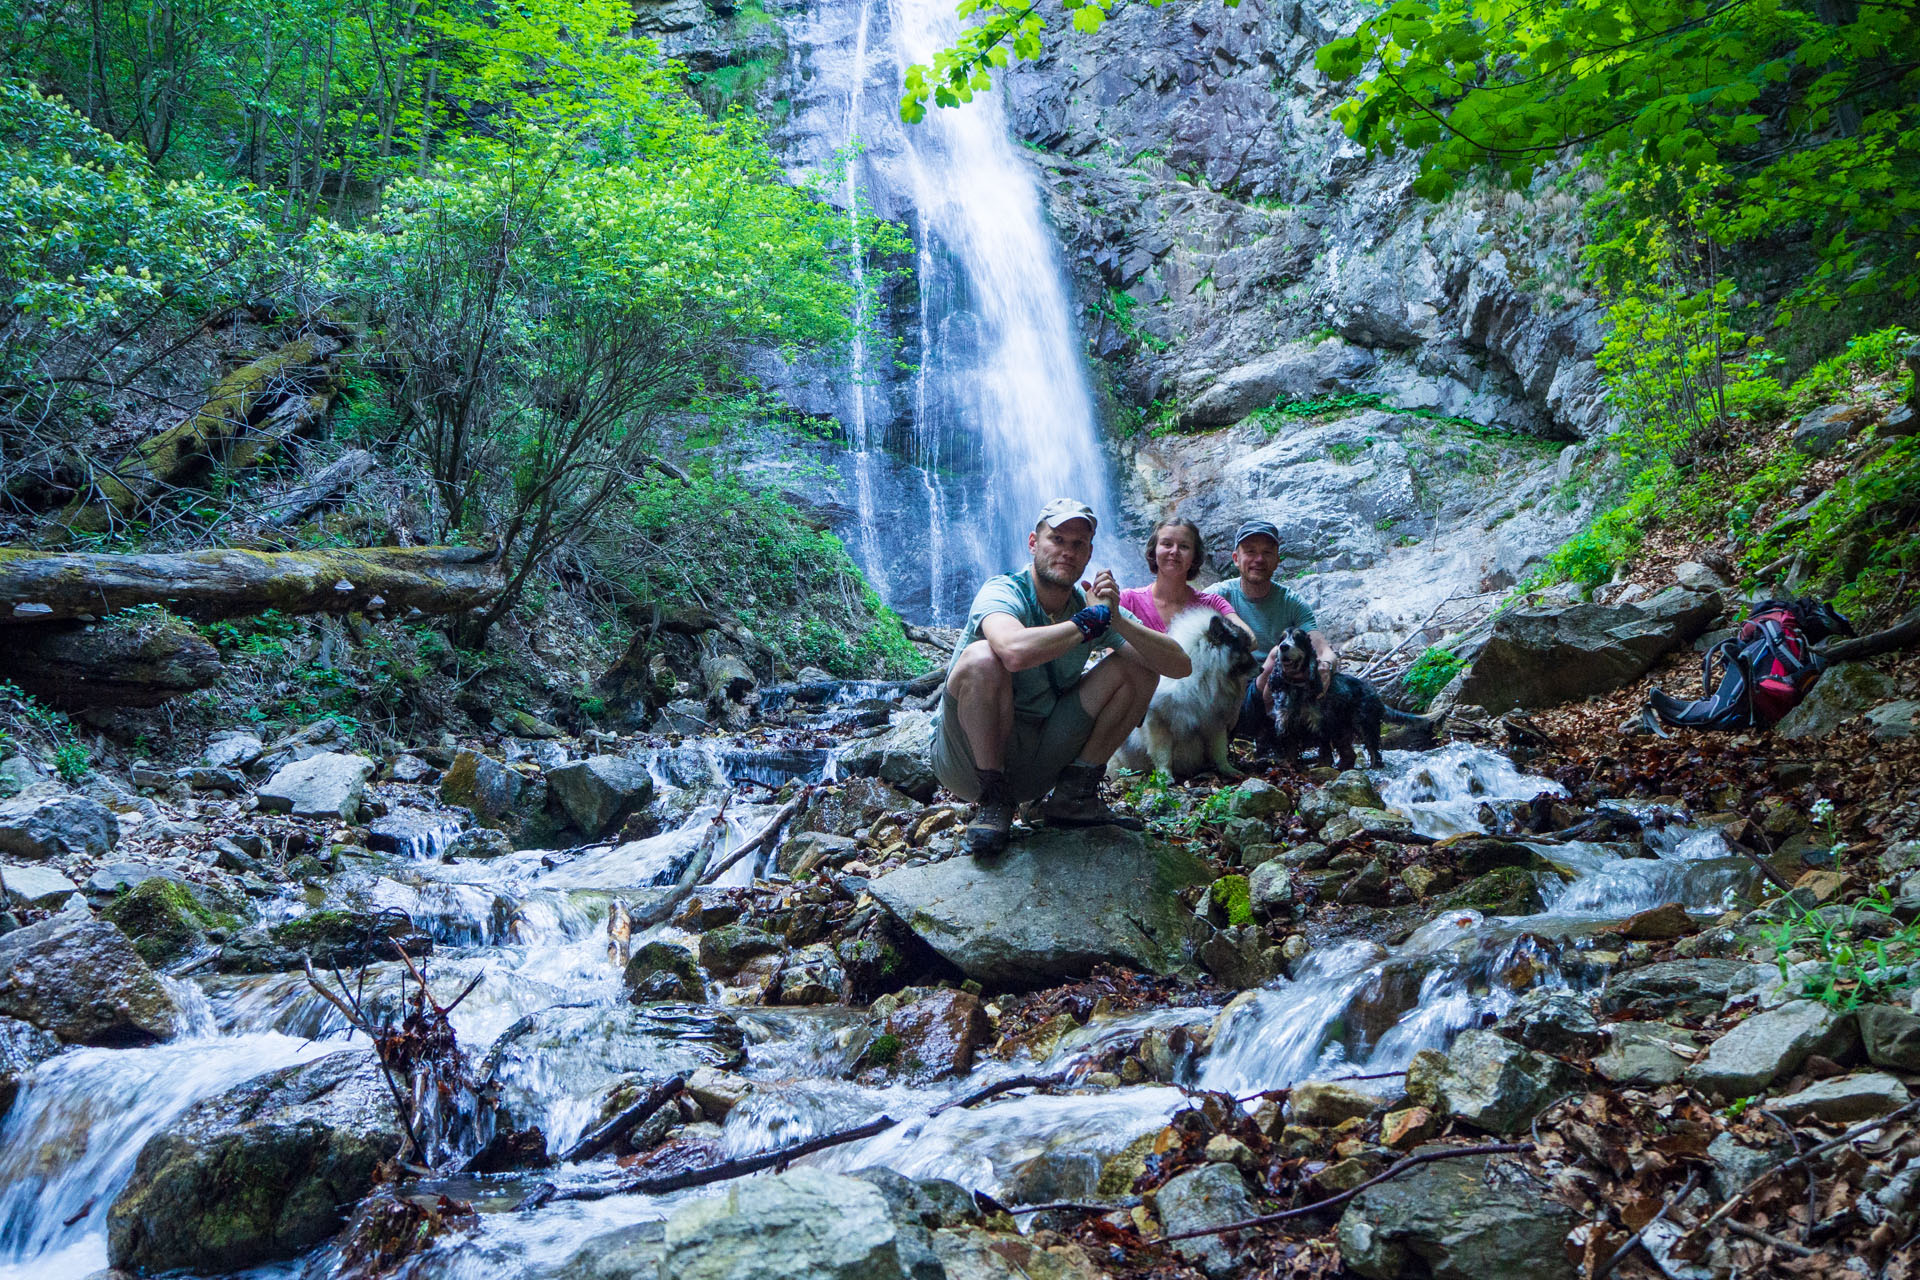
1638, 1238
1898, 636
664, 910
1858, 1131
766, 837
1333, 1202
290, 508
995, 1090
419, 1057
624, 1123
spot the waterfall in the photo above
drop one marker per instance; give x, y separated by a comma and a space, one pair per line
996, 415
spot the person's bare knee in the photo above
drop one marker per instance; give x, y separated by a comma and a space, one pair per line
978, 670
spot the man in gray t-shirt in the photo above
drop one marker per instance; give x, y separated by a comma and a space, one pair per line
1022, 716
1271, 610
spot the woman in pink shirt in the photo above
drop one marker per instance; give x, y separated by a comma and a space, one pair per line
1174, 553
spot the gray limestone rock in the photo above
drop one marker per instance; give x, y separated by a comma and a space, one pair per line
44, 825
1209, 1196
898, 756
1841, 693
23, 1047
1056, 904
1771, 1045
34, 886
1892, 1036
1844, 1100
1892, 721
1645, 1054
803, 1225
1552, 1021
1495, 1085
232, 750
328, 785
1450, 1221
1300, 371
600, 791
1694, 988
1544, 657
81, 979
261, 1172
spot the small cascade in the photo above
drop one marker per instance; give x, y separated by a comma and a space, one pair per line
1361, 1008
70, 1140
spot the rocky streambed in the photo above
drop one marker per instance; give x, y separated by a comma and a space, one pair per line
1272, 995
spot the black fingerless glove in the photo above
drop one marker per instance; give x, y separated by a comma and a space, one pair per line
1093, 621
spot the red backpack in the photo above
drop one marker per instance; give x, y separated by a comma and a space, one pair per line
1769, 665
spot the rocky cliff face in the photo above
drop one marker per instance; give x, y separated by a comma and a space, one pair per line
1231, 250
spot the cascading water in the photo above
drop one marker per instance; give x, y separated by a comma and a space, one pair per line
997, 417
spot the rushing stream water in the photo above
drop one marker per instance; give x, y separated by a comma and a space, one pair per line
533, 926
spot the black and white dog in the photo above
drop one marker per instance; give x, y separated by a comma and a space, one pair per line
1303, 716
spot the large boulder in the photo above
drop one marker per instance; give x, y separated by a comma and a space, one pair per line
43, 826
802, 1225
1055, 905
662, 971
328, 785
331, 939
23, 1047
600, 791
850, 807
1841, 693
483, 785
82, 980
899, 756
1544, 657
1490, 1082
594, 1049
1771, 1045
266, 1170
1449, 1220
167, 919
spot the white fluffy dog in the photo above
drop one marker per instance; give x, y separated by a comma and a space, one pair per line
1190, 719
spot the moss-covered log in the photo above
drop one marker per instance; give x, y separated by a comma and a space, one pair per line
57, 586
187, 450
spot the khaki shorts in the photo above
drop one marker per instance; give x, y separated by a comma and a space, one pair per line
1036, 753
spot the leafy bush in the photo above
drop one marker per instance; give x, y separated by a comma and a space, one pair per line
1429, 674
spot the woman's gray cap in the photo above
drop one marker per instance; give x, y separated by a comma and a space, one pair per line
1265, 528
1061, 510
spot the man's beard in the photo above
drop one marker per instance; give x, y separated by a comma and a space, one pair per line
1043, 574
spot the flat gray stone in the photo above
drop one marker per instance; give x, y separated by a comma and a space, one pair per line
803, 1225
328, 785
1645, 1054
1892, 721
43, 826
1844, 1100
232, 750
1055, 905
1692, 987
1891, 1034
600, 791
35, 886
1772, 1045
1544, 657
1496, 1086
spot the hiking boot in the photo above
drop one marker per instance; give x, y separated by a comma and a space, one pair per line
992, 821
1076, 801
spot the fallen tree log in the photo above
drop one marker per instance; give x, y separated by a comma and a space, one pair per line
56, 586
184, 451
1900, 635
290, 508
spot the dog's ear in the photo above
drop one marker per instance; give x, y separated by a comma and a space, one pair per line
1218, 631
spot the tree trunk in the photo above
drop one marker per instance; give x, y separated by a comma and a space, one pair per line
51, 586
290, 508
184, 451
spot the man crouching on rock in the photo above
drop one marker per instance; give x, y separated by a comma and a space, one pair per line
1021, 715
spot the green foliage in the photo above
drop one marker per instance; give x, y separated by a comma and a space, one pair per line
1120, 307
1851, 967
72, 761
1430, 673
1862, 543
752, 554
884, 1049
1703, 93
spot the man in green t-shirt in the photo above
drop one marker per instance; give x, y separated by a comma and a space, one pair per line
1271, 610
1022, 716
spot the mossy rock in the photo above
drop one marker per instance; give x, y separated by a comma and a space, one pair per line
331, 939
662, 971
168, 919
1504, 891
1232, 900
724, 950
